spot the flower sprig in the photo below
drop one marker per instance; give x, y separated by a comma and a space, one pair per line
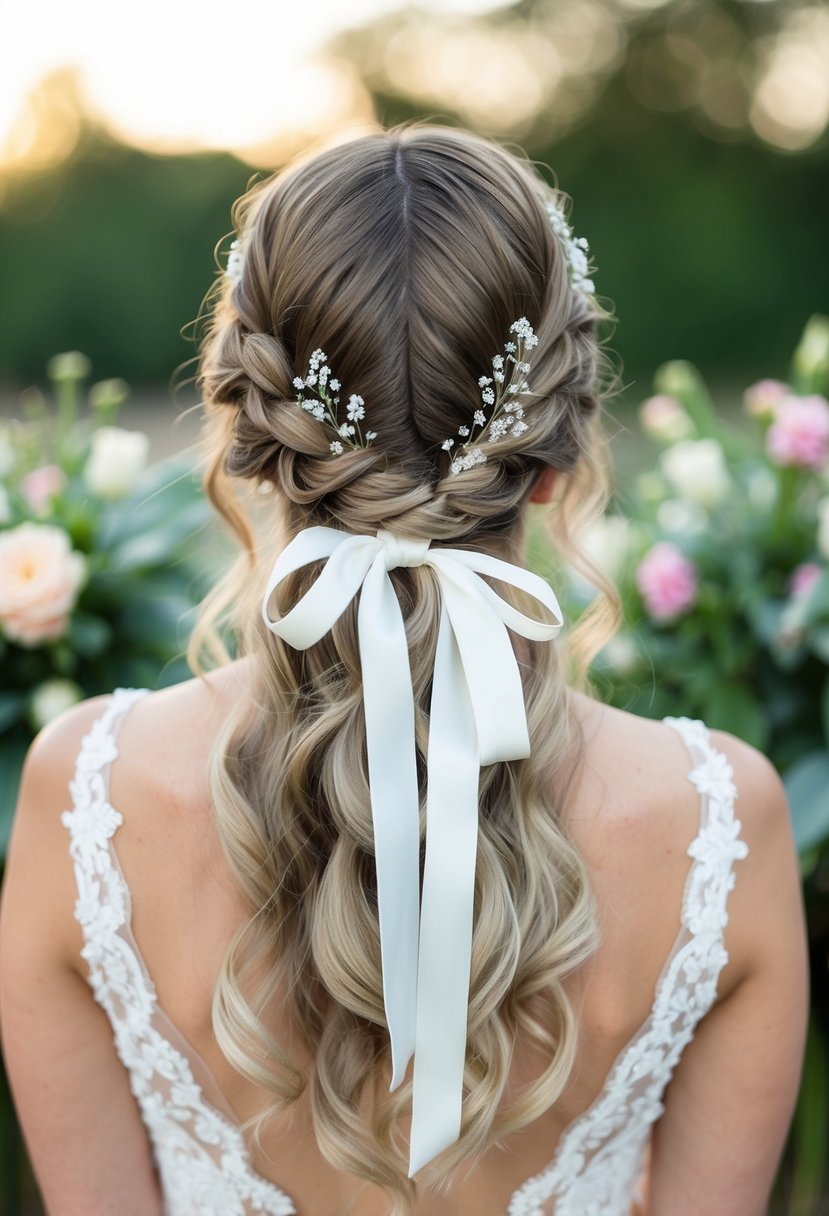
576, 249
323, 406
500, 392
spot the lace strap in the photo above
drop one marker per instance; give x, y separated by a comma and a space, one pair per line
717, 845
92, 820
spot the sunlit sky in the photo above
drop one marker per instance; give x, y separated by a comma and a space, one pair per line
252, 76
177, 74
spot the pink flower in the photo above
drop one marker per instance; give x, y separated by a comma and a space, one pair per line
40, 576
41, 485
799, 434
664, 418
667, 581
763, 398
804, 578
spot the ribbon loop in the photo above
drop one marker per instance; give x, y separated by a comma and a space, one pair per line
477, 716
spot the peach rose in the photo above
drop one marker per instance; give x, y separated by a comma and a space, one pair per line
40, 576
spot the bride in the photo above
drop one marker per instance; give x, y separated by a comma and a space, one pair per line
389, 914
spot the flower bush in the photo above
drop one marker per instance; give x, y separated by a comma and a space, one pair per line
98, 564
721, 554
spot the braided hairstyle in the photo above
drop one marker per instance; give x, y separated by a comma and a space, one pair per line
405, 255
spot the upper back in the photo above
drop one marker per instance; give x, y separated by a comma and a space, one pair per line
633, 813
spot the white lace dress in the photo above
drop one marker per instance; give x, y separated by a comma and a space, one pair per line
198, 1146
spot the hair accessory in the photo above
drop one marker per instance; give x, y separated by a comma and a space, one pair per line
235, 262
501, 391
477, 717
323, 406
575, 248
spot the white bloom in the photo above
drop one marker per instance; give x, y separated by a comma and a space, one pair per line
488, 396
484, 381
319, 412
116, 461
463, 431
336, 447
51, 698
448, 444
498, 362
606, 542
371, 435
511, 347
697, 470
823, 526
355, 408
335, 384
479, 418
520, 428
299, 382
681, 515
345, 430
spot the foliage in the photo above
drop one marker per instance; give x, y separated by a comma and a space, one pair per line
97, 562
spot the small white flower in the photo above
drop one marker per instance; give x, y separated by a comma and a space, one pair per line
511, 347
484, 381
311, 379
488, 396
355, 408
498, 362
335, 384
463, 431
116, 461
345, 430
299, 382
479, 417
318, 411
520, 428
447, 444
371, 435
336, 447
499, 377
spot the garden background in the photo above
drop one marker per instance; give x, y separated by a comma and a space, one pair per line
692, 137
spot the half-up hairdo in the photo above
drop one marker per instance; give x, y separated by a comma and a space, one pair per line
405, 255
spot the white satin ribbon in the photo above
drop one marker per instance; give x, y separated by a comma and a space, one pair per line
477, 717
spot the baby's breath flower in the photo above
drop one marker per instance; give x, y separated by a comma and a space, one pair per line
496, 392
323, 407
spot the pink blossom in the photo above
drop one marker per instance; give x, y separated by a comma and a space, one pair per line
667, 581
804, 578
799, 434
40, 575
41, 485
763, 398
664, 418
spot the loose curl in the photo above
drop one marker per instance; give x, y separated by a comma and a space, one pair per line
405, 255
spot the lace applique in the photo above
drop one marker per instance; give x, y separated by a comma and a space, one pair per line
601, 1154
201, 1156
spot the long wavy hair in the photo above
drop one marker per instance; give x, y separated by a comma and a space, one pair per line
405, 255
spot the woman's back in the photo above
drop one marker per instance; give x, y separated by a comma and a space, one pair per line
632, 812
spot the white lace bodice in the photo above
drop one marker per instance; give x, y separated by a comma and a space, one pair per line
199, 1149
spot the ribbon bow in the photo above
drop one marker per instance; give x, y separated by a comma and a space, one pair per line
477, 717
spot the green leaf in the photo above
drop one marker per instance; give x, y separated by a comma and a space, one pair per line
734, 708
90, 635
12, 708
12, 754
807, 788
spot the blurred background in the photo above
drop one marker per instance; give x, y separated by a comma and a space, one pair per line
692, 138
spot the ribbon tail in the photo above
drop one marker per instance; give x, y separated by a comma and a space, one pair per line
446, 915
395, 803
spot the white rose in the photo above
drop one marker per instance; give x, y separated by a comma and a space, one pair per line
51, 698
116, 461
823, 526
681, 515
697, 470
